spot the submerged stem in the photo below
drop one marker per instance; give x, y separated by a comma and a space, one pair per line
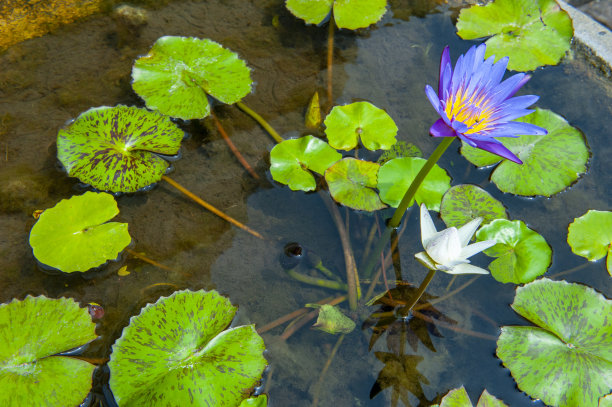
211, 208
418, 180
330, 63
233, 147
260, 120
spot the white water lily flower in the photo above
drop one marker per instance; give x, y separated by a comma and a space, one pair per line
448, 250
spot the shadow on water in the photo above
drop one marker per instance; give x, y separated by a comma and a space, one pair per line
46, 81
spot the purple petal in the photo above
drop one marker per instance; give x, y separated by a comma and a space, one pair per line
519, 102
441, 129
520, 84
445, 62
513, 129
495, 147
433, 98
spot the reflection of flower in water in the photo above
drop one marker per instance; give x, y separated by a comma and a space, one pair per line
448, 250
476, 106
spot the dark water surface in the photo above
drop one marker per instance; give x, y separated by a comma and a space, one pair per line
46, 81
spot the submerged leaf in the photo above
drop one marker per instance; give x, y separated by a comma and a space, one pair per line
531, 32
290, 161
395, 177
590, 236
32, 331
522, 254
346, 125
551, 163
75, 234
313, 113
332, 320
178, 73
177, 351
465, 202
351, 182
116, 148
566, 359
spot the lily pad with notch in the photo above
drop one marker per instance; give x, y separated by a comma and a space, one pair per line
178, 352
566, 358
590, 236
466, 202
395, 177
118, 149
34, 333
551, 162
351, 182
179, 73
532, 33
522, 254
291, 160
346, 125
351, 14
75, 235
459, 398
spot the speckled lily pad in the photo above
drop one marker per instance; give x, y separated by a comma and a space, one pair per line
351, 182
178, 352
590, 236
566, 359
32, 333
116, 148
178, 73
465, 202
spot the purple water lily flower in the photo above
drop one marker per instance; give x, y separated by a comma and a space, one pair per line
476, 106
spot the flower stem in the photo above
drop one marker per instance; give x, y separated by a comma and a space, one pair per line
261, 121
418, 180
417, 296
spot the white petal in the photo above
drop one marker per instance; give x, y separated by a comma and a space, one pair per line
425, 260
466, 231
428, 229
477, 247
467, 269
444, 247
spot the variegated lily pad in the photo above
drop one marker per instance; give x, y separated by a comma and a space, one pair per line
178, 73
351, 14
522, 254
532, 33
32, 333
566, 359
463, 203
551, 162
75, 234
178, 352
116, 148
346, 125
351, 182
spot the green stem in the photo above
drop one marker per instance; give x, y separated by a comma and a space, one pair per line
409, 196
261, 121
417, 296
320, 282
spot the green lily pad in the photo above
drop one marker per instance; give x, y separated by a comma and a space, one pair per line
351, 182
463, 203
32, 331
532, 33
291, 160
459, 398
116, 148
332, 320
551, 163
351, 14
395, 177
177, 353
398, 150
75, 234
178, 73
522, 254
345, 125
566, 359
590, 236
259, 401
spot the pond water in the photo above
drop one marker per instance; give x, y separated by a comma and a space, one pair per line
46, 81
